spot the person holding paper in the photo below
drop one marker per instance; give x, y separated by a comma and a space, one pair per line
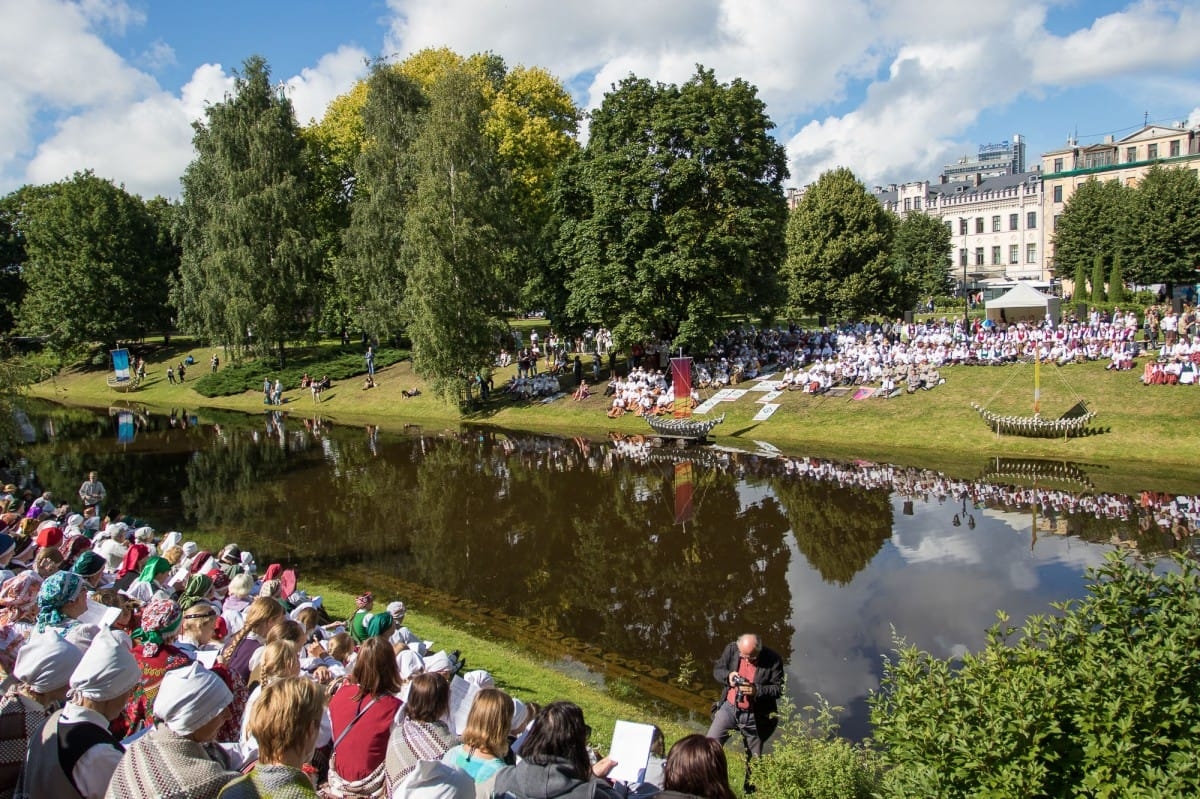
752, 678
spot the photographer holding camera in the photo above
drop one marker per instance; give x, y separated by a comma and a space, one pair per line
753, 678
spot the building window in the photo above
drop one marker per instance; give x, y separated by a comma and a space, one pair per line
1058, 165
1014, 253
1058, 194
962, 227
1130, 155
1055, 225
979, 224
1031, 253
1152, 151
996, 223
979, 256
1031, 219
907, 203
962, 256
916, 203
1174, 148
996, 256
1014, 221
949, 227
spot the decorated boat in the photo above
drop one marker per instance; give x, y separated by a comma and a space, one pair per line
1072, 424
689, 428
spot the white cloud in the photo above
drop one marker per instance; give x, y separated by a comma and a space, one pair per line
335, 73
145, 144
158, 55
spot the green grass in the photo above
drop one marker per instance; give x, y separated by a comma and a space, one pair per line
1149, 439
335, 361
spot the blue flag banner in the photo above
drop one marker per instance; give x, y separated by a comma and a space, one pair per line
126, 429
121, 364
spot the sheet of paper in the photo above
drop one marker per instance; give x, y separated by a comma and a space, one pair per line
462, 695
770, 396
765, 413
631, 749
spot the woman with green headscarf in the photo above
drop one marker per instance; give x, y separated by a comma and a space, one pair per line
198, 589
149, 585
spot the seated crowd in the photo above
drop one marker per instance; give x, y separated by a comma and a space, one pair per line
136, 665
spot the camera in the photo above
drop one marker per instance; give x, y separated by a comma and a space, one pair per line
738, 680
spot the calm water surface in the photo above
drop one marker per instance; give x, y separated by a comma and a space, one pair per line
589, 551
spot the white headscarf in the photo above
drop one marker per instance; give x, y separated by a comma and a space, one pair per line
171, 539
107, 670
190, 697
410, 663
46, 661
433, 779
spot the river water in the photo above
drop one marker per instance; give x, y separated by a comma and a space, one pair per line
629, 563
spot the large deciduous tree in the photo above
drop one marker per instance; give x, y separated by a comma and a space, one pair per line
455, 230
838, 239
1095, 221
921, 253
250, 269
371, 271
675, 211
1166, 228
95, 269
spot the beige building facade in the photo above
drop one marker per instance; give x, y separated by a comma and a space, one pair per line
1126, 160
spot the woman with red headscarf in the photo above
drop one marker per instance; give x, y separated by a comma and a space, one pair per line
131, 566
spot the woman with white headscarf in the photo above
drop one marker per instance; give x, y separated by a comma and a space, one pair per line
77, 736
180, 758
43, 668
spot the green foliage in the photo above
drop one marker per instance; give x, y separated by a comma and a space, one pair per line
921, 254
249, 275
1101, 699
673, 219
1165, 231
1116, 281
1095, 221
96, 268
371, 274
1098, 294
838, 240
14, 210
1079, 291
456, 231
809, 760
339, 364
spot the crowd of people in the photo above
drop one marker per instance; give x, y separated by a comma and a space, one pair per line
137, 664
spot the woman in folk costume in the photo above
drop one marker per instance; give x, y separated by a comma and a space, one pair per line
61, 600
149, 584
286, 722
179, 758
421, 733
363, 713
156, 655
43, 670
75, 754
262, 614
131, 565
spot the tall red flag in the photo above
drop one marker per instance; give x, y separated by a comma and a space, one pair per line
681, 382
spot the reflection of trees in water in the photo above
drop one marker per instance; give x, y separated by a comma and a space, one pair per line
235, 484
146, 487
838, 529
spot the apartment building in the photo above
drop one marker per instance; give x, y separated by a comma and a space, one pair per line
1127, 160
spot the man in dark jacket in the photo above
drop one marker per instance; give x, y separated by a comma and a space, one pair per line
752, 678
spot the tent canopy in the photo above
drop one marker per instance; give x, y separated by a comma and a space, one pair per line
1023, 303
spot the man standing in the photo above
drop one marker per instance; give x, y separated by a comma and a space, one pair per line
371, 362
752, 679
92, 492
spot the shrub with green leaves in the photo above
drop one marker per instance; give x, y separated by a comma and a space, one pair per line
338, 364
1101, 699
808, 759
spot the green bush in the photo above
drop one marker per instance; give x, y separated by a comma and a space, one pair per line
338, 364
810, 761
1101, 699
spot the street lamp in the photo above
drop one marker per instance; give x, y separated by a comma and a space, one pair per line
962, 226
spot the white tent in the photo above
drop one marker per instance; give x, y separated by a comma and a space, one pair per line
1023, 303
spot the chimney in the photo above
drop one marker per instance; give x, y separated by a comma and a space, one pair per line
978, 181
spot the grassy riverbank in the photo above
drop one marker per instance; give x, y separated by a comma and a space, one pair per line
1149, 433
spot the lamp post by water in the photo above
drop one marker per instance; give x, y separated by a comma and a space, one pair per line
962, 228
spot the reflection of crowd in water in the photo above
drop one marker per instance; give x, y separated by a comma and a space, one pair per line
1149, 513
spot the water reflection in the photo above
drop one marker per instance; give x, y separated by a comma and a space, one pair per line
576, 541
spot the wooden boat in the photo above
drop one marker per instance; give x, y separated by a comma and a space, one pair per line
125, 384
691, 429
1072, 424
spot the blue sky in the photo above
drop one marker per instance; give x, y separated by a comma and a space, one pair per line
891, 88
